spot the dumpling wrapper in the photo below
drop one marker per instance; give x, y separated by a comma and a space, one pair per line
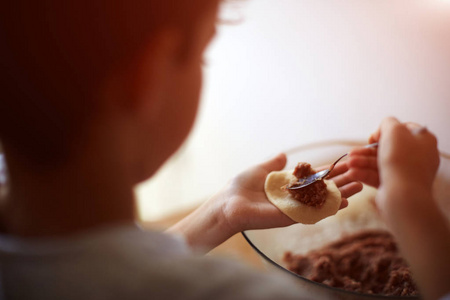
294, 209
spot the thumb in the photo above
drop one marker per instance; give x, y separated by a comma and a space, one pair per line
277, 163
386, 123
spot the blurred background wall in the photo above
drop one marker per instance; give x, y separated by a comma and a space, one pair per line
294, 72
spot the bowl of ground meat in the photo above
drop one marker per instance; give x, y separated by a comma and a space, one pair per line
351, 255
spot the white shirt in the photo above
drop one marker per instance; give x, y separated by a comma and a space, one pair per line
128, 263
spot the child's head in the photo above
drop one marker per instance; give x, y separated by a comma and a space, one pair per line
63, 60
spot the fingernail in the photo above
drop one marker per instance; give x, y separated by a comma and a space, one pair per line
420, 130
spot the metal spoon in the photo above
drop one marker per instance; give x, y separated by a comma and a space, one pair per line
303, 182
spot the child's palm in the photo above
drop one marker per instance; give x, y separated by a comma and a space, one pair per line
247, 206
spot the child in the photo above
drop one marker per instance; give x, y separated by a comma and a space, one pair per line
96, 95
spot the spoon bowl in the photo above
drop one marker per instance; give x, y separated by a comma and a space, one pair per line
304, 182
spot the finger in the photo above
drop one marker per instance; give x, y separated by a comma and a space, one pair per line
397, 130
361, 161
340, 168
364, 175
420, 131
417, 129
342, 179
350, 189
344, 203
412, 126
363, 151
385, 123
275, 164
389, 124
254, 177
375, 137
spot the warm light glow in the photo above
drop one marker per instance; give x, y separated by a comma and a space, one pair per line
441, 5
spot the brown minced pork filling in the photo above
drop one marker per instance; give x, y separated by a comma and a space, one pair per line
311, 195
366, 262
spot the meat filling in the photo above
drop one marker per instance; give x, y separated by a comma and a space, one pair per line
312, 195
366, 262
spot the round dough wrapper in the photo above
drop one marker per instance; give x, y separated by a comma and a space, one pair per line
294, 209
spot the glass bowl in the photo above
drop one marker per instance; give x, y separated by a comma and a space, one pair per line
271, 244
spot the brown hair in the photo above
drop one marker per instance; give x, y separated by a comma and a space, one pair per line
54, 54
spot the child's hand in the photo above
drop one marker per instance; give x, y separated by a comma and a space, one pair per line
246, 206
407, 157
